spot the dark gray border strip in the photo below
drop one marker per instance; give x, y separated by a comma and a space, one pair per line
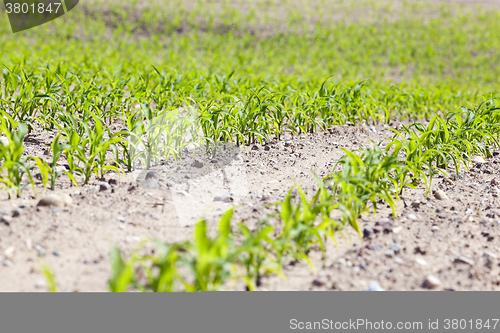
242, 311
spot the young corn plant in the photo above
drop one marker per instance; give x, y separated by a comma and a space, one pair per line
259, 253
211, 261
363, 179
91, 149
51, 169
202, 265
303, 224
14, 165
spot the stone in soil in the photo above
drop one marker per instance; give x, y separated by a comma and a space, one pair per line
479, 160
9, 252
420, 261
6, 219
463, 260
197, 164
489, 258
121, 219
8, 263
431, 282
397, 230
384, 224
104, 187
320, 281
226, 197
368, 232
441, 195
341, 261
396, 247
57, 200
150, 174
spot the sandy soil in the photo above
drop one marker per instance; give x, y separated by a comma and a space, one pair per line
454, 240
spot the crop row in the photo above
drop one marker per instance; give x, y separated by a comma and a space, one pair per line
98, 123
364, 179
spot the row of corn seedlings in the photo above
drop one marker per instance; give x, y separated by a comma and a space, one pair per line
84, 114
365, 178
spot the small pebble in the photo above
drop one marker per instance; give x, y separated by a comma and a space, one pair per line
56, 253
389, 253
368, 232
397, 230
197, 164
9, 252
441, 195
320, 281
40, 250
8, 263
431, 282
341, 261
420, 261
399, 261
6, 219
463, 260
55, 200
104, 187
396, 247
412, 216
490, 255
226, 197
40, 284
16, 212
150, 174
479, 160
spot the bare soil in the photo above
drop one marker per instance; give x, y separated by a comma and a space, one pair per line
455, 240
